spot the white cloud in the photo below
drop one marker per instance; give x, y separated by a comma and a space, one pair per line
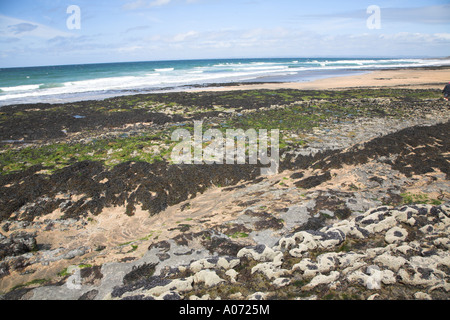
157, 3
17, 28
141, 4
437, 14
146, 4
184, 36
21, 28
442, 36
138, 28
129, 49
416, 37
295, 42
135, 5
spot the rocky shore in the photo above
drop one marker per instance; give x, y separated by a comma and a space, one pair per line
360, 208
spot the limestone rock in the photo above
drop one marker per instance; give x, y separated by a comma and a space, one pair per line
208, 277
396, 234
321, 279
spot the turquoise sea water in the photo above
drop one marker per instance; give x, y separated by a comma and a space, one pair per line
93, 81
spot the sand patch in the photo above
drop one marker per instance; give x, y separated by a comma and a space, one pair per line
400, 78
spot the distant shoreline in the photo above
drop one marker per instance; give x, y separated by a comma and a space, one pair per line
399, 78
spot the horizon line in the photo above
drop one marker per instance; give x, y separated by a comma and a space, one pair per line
242, 58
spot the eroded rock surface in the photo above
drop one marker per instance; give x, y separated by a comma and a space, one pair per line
367, 218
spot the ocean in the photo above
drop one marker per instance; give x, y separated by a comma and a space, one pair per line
53, 84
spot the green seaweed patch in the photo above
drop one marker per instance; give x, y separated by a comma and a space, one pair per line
31, 283
418, 198
237, 235
146, 147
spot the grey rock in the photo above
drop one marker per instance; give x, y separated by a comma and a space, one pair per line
17, 243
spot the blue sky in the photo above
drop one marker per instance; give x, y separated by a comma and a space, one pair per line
35, 32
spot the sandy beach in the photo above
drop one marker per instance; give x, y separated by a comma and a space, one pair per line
420, 78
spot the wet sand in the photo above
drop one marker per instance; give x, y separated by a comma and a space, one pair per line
417, 78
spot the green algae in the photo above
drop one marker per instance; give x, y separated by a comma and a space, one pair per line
292, 116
